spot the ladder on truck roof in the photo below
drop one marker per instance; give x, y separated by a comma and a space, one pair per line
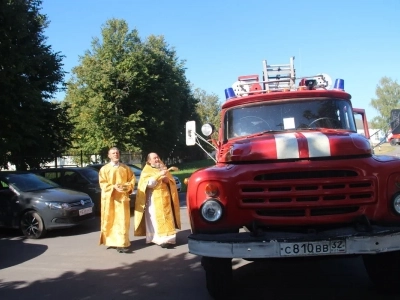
275, 78
278, 77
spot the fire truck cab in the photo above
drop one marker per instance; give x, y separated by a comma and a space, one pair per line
292, 178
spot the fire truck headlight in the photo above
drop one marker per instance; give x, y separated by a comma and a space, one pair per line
211, 210
396, 203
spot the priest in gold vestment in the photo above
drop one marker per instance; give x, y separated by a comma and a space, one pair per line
157, 211
116, 182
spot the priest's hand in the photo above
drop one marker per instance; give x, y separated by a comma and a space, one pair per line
119, 188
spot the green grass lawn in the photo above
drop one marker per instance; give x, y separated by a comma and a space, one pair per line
186, 169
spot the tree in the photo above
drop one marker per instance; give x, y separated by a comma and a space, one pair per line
208, 107
129, 93
51, 140
30, 73
208, 110
388, 98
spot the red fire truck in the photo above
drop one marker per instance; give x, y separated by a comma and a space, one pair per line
292, 178
394, 135
393, 139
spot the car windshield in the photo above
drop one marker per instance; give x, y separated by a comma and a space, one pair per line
289, 115
27, 182
91, 174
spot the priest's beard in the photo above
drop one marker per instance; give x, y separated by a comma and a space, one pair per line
159, 166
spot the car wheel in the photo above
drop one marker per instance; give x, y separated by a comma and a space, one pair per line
32, 225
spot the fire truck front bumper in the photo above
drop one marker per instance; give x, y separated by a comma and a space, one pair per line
343, 241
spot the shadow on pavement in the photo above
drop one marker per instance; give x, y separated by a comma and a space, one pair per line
167, 277
144, 279
181, 239
15, 252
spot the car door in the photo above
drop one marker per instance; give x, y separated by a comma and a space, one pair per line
9, 206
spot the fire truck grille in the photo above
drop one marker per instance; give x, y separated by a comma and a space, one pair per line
302, 212
313, 193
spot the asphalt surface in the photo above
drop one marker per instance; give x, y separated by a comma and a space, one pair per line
69, 264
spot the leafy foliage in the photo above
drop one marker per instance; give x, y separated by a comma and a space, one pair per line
129, 93
388, 98
208, 108
30, 73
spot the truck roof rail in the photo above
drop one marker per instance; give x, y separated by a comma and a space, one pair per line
281, 77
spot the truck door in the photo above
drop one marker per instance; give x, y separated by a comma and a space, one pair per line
359, 114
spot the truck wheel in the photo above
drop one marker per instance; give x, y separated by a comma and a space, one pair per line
218, 276
393, 143
383, 269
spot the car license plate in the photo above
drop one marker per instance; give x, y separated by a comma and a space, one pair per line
313, 248
85, 211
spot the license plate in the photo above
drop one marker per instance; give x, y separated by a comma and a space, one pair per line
313, 248
85, 211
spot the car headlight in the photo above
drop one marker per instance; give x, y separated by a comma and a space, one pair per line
396, 203
211, 210
57, 205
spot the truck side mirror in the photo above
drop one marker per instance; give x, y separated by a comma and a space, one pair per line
190, 133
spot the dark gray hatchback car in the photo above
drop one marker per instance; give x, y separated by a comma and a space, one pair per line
35, 204
80, 179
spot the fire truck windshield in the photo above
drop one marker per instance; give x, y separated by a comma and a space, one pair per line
289, 115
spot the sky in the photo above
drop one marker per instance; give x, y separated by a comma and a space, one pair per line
355, 40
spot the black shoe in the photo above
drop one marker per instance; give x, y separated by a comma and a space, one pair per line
122, 250
166, 245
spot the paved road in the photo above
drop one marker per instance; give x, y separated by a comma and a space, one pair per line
69, 264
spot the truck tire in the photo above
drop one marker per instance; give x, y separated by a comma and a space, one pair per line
383, 269
393, 142
218, 276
